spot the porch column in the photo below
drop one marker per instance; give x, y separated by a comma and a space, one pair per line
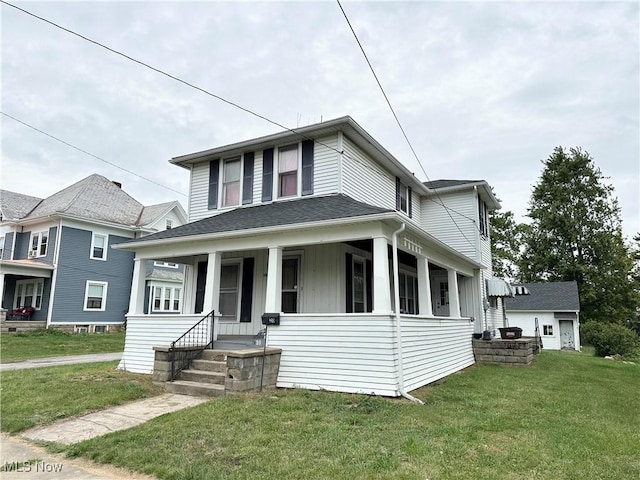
454, 296
138, 283
212, 284
188, 289
273, 302
381, 282
424, 287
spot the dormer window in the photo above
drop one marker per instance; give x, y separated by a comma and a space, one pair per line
288, 171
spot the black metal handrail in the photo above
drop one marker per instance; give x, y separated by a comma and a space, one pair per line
200, 336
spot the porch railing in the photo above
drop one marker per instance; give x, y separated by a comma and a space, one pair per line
191, 344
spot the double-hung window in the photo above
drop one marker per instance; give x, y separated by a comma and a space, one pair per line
483, 215
231, 182
39, 243
28, 294
99, 246
165, 298
408, 284
288, 171
403, 197
95, 296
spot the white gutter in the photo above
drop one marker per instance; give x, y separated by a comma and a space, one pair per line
396, 294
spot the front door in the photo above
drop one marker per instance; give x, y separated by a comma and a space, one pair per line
566, 335
290, 284
440, 295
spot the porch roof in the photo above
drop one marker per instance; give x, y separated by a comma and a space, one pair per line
281, 213
29, 268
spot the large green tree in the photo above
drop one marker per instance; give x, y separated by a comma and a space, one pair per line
506, 240
576, 234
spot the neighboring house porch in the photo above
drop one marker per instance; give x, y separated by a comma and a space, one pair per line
367, 302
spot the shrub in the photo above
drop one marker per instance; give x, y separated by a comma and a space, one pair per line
610, 339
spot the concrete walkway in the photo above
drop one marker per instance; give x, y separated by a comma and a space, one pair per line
18, 457
77, 429
55, 361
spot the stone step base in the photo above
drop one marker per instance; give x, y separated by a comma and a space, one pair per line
195, 375
209, 365
198, 389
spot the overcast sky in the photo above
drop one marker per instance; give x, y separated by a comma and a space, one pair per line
485, 90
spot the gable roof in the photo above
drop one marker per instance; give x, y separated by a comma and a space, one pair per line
449, 185
553, 296
14, 206
93, 198
289, 212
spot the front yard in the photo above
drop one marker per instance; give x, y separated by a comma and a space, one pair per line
568, 416
15, 347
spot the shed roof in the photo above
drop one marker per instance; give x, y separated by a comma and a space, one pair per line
552, 296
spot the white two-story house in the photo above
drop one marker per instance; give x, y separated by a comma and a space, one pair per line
379, 280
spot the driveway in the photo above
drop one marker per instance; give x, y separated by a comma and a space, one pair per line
65, 360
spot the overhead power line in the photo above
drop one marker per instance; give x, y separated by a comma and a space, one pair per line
89, 153
229, 102
404, 133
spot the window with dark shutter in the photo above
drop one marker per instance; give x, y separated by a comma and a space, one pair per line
410, 202
214, 175
267, 175
307, 167
247, 179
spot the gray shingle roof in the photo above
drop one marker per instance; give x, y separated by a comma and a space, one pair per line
150, 213
304, 210
554, 296
94, 197
449, 183
14, 205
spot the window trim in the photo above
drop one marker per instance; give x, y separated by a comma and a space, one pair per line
298, 171
157, 263
547, 330
223, 164
39, 235
94, 235
412, 276
162, 288
483, 218
363, 261
103, 305
37, 282
237, 262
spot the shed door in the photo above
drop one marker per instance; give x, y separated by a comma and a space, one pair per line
566, 335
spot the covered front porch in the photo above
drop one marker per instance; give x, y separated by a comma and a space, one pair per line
26, 288
358, 302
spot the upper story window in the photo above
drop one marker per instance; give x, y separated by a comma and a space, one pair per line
165, 264
39, 243
235, 177
483, 215
403, 197
288, 171
99, 246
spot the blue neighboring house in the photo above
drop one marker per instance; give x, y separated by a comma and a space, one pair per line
55, 255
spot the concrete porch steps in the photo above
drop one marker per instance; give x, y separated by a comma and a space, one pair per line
202, 376
185, 387
209, 365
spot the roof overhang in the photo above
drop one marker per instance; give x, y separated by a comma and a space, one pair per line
27, 268
496, 287
485, 192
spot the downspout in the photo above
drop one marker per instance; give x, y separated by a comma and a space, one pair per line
54, 277
396, 296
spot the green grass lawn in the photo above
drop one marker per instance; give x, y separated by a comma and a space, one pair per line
42, 395
568, 416
52, 343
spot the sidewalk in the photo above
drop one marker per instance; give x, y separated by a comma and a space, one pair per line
18, 457
55, 361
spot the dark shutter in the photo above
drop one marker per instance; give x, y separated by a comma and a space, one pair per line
307, 167
369, 285
247, 290
200, 287
247, 181
349, 282
267, 175
409, 203
398, 185
214, 174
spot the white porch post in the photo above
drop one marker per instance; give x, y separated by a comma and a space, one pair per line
424, 287
273, 301
454, 296
136, 302
188, 289
212, 290
381, 283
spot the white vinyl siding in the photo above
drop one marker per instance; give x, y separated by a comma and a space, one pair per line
364, 180
199, 194
437, 222
325, 165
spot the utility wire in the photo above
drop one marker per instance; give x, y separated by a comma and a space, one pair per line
222, 99
364, 53
89, 153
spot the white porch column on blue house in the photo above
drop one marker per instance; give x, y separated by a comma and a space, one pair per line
381, 283
212, 284
424, 287
136, 300
454, 295
273, 301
